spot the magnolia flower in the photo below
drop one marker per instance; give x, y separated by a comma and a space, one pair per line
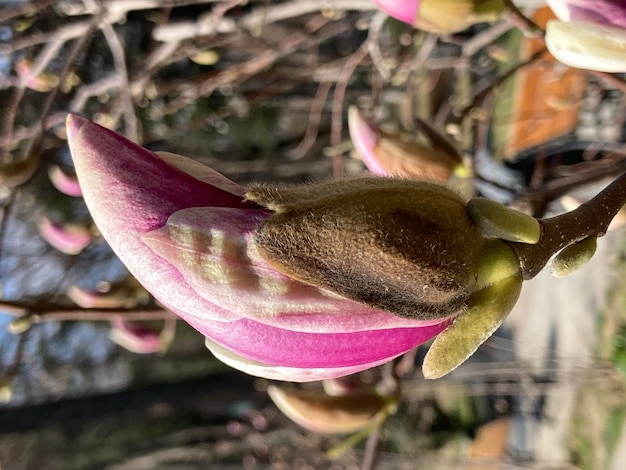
590, 34
442, 16
587, 45
309, 282
186, 233
602, 12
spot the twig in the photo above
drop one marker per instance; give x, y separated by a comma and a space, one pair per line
39, 313
254, 21
590, 219
481, 94
339, 95
260, 62
373, 45
25, 9
514, 15
121, 7
119, 60
69, 60
595, 171
45, 56
315, 117
370, 456
63, 34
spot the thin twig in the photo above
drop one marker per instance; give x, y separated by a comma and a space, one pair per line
119, 60
485, 91
339, 95
242, 72
373, 44
43, 313
315, 118
371, 454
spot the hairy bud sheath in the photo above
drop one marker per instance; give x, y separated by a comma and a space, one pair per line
404, 246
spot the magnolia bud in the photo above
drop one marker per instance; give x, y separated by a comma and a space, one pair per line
443, 16
587, 45
318, 412
15, 173
571, 258
404, 246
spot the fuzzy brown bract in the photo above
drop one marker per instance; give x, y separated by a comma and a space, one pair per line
404, 246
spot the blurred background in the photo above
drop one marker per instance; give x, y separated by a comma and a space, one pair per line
94, 374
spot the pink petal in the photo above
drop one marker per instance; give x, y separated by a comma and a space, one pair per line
288, 374
129, 191
69, 239
365, 135
602, 12
278, 347
65, 183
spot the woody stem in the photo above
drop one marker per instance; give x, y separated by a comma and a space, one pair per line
591, 219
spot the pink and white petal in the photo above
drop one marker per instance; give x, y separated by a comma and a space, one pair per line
214, 251
203, 173
129, 191
270, 345
287, 374
136, 337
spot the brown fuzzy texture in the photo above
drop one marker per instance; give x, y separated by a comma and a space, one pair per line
404, 246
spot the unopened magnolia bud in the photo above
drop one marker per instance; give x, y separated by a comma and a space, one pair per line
318, 412
20, 325
13, 174
404, 246
6, 391
65, 182
571, 258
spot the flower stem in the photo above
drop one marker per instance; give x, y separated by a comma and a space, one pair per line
591, 219
528, 27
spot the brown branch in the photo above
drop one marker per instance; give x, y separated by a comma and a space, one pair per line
39, 313
590, 219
